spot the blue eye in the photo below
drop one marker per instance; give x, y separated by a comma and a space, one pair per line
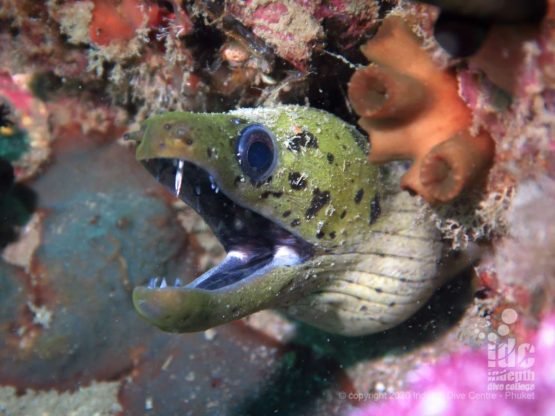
257, 152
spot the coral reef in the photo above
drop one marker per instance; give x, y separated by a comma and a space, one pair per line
78, 227
531, 233
119, 22
99, 399
483, 383
294, 28
25, 140
411, 110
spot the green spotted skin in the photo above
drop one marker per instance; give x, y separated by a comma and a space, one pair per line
375, 262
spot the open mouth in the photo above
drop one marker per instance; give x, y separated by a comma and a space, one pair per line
254, 244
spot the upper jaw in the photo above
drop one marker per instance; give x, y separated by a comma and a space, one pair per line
257, 247
240, 230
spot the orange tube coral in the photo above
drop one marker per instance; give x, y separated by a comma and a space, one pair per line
387, 94
453, 163
411, 110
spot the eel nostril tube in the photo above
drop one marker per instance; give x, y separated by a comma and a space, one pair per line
379, 92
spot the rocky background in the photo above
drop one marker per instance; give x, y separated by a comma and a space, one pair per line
81, 222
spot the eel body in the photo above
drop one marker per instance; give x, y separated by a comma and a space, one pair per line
310, 227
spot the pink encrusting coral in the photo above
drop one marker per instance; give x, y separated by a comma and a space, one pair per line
516, 60
483, 383
294, 27
522, 268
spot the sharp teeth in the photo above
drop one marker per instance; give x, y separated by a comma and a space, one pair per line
163, 284
153, 282
214, 185
178, 282
179, 177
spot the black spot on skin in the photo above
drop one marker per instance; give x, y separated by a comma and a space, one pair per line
167, 126
297, 181
320, 234
391, 304
295, 223
359, 195
189, 141
332, 235
378, 290
375, 209
209, 152
343, 214
303, 139
266, 194
269, 180
286, 214
364, 308
319, 199
330, 158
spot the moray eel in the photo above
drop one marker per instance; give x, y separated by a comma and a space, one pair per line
308, 224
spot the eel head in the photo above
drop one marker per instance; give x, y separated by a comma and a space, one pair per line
283, 189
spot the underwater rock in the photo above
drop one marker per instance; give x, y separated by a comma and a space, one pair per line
31, 39
99, 399
84, 272
198, 374
287, 25
294, 28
